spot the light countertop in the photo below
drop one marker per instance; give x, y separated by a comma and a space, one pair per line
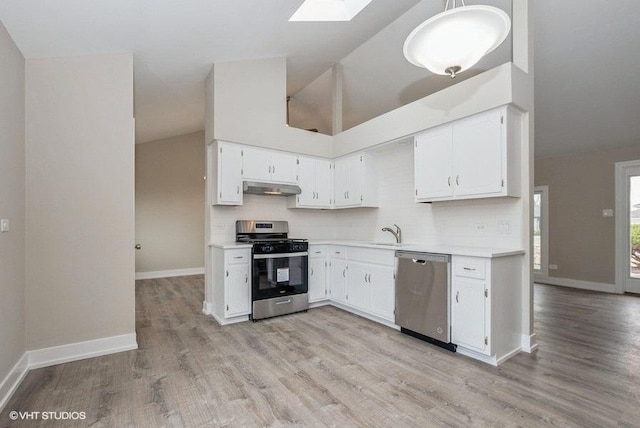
424, 248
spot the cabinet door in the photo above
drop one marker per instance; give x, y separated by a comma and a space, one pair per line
307, 182
339, 280
341, 182
468, 314
256, 164
382, 287
237, 290
478, 154
324, 183
229, 174
433, 164
283, 167
358, 289
317, 279
356, 175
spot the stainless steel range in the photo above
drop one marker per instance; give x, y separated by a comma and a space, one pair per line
279, 268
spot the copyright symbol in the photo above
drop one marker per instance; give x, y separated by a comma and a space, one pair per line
13, 415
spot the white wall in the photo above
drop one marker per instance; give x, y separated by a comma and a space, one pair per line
12, 203
170, 203
80, 199
249, 107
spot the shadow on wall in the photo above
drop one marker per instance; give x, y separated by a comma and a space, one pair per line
432, 83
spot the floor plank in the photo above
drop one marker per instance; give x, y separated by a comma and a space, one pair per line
331, 368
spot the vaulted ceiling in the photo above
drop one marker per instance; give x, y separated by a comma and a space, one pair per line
585, 58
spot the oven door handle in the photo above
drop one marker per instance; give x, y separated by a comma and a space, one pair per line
279, 255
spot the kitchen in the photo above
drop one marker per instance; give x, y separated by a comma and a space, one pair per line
274, 135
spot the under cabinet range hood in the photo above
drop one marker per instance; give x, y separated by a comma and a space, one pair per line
259, 188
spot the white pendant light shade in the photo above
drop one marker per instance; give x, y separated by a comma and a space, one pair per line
456, 39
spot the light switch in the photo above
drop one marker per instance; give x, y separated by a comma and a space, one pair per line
4, 225
607, 213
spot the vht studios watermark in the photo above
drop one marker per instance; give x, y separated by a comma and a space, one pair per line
47, 416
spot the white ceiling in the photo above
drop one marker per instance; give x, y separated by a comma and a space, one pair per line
585, 59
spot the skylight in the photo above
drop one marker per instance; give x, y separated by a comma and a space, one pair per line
329, 10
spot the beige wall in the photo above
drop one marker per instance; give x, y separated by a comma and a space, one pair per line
80, 199
581, 241
12, 194
170, 203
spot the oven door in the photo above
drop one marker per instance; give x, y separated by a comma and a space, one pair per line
277, 275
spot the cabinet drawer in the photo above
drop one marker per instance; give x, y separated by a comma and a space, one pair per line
232, 257
373, 256
316, 252
469, 267
338, 253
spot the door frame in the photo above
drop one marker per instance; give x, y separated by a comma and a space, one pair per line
622, 174
544, 233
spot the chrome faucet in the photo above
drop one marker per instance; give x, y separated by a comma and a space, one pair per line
397, 233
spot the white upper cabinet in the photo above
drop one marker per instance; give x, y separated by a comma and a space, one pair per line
315, 180
225, 173
268, 166
433, 159
354, 181
475, 157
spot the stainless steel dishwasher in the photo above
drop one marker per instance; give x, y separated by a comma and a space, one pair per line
422, 296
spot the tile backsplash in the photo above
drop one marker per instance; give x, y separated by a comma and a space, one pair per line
481, 222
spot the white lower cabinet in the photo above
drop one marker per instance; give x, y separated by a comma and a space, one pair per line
228, 291
338, 280
317, 273
469, 314
485, 302
237, 290
363, 279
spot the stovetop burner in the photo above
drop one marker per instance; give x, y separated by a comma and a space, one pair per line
269, 237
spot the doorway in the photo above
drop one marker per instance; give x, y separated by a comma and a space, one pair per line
628, 227
540, 232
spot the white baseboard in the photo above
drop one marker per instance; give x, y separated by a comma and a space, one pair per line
13, 379
207, 308
528, 343
62, 354
169, 273
576, 283
79, 351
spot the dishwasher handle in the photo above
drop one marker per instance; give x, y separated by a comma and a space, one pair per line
422, 258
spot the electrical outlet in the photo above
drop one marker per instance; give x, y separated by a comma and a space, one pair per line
607, 213
480, 227
553, 267
4, 225
504, 227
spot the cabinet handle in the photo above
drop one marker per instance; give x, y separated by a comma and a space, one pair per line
269, 169
348, 195
318, 252
457, 295
273, 170
227, 307
343, 273
468, 268
365, 277
238, 257
311, 271
246, 278
449, 181
237, 190
227, 273
458, 180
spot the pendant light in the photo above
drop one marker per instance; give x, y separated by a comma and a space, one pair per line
456, 39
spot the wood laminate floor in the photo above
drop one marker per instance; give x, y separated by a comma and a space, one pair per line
330, 368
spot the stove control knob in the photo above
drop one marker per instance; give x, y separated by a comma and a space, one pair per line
267, 248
